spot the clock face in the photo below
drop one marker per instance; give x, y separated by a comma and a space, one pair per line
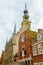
39, 36
22, 38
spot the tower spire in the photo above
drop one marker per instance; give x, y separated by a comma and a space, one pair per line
15, 28
25, 6
25, 11
26, 16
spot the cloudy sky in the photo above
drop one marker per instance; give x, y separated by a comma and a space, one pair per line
11, 11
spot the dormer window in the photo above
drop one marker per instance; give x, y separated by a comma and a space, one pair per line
39, 37
42, 36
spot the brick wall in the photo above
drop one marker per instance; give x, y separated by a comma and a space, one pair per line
26, 43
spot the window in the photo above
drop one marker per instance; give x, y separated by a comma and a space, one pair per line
39, 37
23, 53
40, 49
41, 63
34, 48
35, 64
22, 38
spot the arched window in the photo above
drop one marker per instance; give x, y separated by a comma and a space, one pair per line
23, 52
23, 38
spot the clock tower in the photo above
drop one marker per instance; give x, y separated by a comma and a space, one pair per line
26, 24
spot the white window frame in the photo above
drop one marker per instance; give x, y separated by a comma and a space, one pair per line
39, 37
22, 52
23, 49
22, 38
34, 48
40, 48
40, 63
35, 63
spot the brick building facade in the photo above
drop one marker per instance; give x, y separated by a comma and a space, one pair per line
37, 49
30, 45
31, 53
